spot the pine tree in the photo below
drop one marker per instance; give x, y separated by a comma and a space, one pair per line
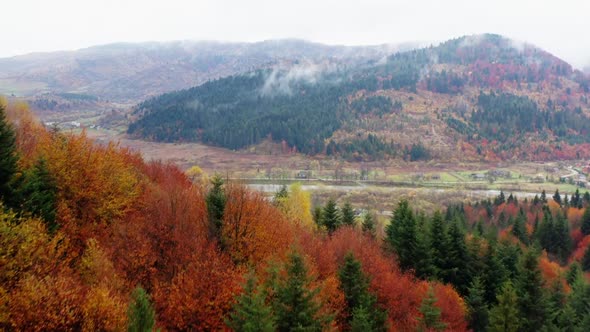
586, 221
562, 239
348, 215
586, 260
296, 306
355, 286
579, 298
317, 216
477, 306
430, 319
544, 196
423, 266
532, 303
216, 200
401, 235
8, 156
141, 315
369, 224
250, 312
504, 317
331, 218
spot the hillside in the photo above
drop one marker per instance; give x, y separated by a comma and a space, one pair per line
476, 98
128, 72
93, 237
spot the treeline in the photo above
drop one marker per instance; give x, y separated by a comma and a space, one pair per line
374, 148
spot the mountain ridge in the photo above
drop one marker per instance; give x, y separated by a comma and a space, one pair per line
376, 109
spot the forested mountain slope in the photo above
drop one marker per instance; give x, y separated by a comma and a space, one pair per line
478, 97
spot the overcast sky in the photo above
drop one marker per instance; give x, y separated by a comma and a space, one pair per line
560, 27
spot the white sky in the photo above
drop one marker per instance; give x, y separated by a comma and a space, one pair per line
560, 27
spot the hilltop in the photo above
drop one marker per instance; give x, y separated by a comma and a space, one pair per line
479, 98
130, 72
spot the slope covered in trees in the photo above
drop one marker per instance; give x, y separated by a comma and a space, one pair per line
479, 89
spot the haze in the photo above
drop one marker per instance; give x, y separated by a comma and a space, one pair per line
33, 26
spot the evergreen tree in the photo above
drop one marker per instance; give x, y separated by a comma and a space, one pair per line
562, 239
519, 229
250, 312
586, 260
573, 273
458, 272
355, 286
532, 303
494, 275
504, 316
401, 236
8, 157
296, 306
557, 197
331, 218
317, 216
348, 215
361, 321
439, 246
586, 222
216, 200
423, 266
141, 315
477, 306
38, 193
430, 319
369, 224
587, 197
579, 298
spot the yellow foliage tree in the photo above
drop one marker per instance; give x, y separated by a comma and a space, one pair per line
297, 206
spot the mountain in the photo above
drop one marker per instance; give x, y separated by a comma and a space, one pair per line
482, 97
127, 72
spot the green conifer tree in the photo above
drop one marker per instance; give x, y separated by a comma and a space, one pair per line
250, 312
8, 157
141, 315
216, 200
401, 235
532, 302
477, 306
430, 320
586, 221
296, 305
504, 316
369, 226
331, 218
348, 215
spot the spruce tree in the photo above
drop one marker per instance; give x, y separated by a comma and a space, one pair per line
401, 236
430, 320
331, 218
38, 193
458, 272
494, 275
348, 218
439, 246
250, 312
519, 228
355, 286
140, 314
296, 305
317, 216
369, 224
504, 316
477, 306
8, 157
557, 197
532, 302
216, 200
544, 196
573, 273
361, 321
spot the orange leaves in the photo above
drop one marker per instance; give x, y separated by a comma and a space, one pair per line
550, 271
252, 229
201, 295
452, 306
